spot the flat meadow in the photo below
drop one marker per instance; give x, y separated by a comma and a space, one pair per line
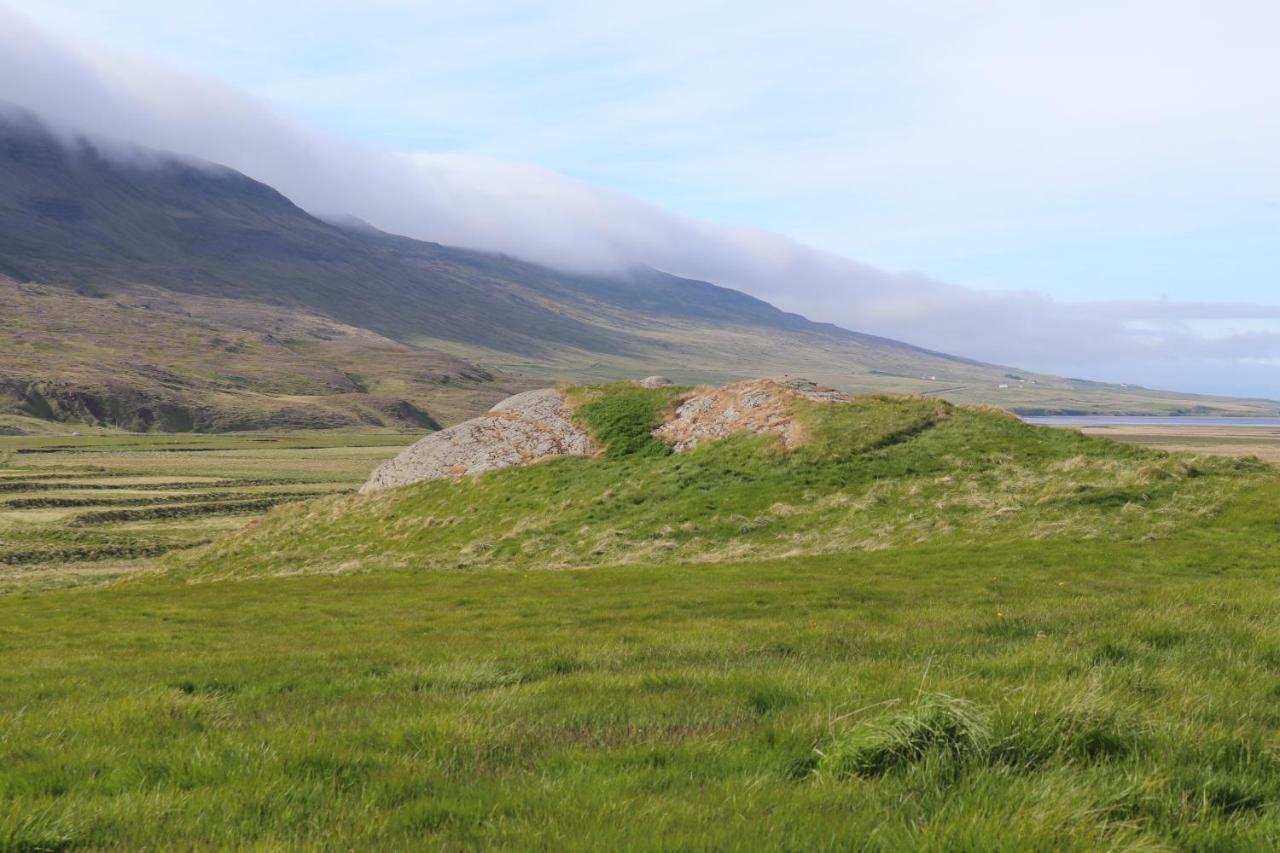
1097, 687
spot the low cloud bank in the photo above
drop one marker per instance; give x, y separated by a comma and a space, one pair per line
543, 216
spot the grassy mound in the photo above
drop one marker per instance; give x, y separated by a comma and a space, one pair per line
878, 472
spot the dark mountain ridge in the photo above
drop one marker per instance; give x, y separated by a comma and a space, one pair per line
126, 244
78, 214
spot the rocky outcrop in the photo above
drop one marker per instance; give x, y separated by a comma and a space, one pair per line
538, 425
654, 382
761, 406
520, 430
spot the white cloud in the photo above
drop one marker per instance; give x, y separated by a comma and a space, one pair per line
543, 216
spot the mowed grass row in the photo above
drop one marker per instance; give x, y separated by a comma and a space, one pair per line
98, 506
1050, 694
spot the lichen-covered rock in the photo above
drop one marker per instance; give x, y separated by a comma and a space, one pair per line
520, 430
538, 425
810, 390
761, 406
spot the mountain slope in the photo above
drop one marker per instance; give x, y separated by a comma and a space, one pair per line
111, 257
75, 214
149, 359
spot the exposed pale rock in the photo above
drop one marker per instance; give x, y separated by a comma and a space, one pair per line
761, 406
654, 382
539, 425
520, 430
811, 390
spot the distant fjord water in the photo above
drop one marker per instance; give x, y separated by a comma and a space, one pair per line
1150, 420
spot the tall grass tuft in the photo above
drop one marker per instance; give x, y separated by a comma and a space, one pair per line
934, 723
1084, 729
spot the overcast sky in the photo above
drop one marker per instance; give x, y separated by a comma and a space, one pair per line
1088, 188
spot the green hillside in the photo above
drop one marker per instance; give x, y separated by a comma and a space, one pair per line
878, 472
21, 425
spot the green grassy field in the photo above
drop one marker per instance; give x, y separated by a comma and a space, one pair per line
931, 628
1124, 696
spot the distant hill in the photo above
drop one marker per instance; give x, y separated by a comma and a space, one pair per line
143, 290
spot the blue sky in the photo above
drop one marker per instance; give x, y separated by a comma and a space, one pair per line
1073, 155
